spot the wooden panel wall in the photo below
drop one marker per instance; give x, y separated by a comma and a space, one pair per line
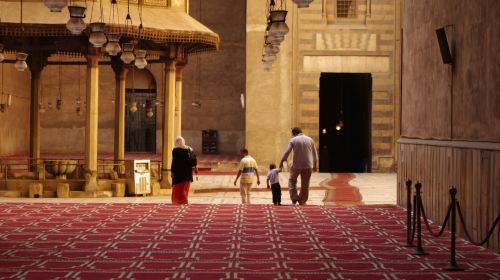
475, 172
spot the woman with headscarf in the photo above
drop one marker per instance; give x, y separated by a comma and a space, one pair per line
182, 171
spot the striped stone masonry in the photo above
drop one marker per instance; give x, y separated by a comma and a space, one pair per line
365, 44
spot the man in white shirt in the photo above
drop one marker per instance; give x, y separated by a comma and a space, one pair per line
304, 163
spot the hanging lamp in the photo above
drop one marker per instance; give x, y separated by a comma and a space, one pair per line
41, 106
113, 46
2, 104
97, 37
75, 24
59, 101
2, 56
277, 18
140, 59
20, 64
127, 54
55, 5
133, 105
302, 3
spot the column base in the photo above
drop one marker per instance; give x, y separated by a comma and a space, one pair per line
91, 181
166, 181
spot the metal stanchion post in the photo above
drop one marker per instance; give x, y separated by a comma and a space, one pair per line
419, 250
408, 215
453, 266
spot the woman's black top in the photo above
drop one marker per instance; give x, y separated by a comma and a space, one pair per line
181, 166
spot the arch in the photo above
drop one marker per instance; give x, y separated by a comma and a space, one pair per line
140, 129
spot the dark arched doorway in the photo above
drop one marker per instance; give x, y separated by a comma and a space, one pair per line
140, 127
345, 122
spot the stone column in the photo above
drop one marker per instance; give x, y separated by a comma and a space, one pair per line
35, 115
91, 128
168, 124
178, 101
36, 63
120, 79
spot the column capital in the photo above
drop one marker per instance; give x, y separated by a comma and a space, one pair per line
178, 71
37, 61
119, 68
93, 60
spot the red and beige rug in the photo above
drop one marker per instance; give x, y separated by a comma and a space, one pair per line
162, 241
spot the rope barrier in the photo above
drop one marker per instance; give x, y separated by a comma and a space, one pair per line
419, 250
442, 226
414, 225
490, 232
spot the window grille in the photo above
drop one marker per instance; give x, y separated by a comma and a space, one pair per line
346, 8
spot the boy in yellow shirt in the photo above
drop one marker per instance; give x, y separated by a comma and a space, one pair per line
248, 166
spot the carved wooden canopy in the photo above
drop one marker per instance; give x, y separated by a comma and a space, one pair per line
46, 31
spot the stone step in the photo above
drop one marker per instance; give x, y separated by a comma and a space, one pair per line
8, 193
90, 194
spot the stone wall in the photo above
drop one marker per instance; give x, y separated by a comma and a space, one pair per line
319, 42
217, 80
14, 122
269, 95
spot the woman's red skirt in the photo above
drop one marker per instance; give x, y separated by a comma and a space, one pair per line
180, 192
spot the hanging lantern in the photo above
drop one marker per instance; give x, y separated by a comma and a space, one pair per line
303, 3
2, 108
271, 49
133, 107
149, 112
20, 64
278, 26
55, 5
127, 54
276, 40
269, 58
75, 24
113, 47
2, 56
97, 37
78, 105
140, 59
41, 107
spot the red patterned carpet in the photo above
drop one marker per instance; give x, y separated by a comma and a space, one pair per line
162, 241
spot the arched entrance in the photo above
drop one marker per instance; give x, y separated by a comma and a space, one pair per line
140, 116
345, 122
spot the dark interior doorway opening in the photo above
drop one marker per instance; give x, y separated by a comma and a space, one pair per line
345, 122
140, 129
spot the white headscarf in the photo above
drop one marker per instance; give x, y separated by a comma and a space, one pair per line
180, 142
